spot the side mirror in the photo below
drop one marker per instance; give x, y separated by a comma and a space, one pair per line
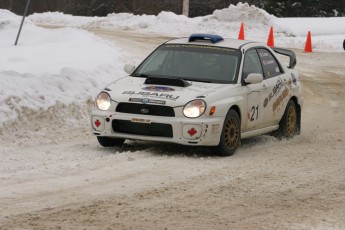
254, 78
129, 68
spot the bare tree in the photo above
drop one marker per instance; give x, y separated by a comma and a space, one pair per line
10, 4
185, 8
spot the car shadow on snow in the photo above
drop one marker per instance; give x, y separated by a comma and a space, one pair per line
159, 149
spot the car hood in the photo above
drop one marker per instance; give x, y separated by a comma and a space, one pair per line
133, 89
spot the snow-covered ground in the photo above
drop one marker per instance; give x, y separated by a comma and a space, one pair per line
70, 65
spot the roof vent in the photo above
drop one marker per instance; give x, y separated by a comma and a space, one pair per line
205, 37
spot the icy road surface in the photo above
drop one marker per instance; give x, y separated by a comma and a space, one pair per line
54, 175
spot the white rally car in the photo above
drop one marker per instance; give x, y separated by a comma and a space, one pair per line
202, 90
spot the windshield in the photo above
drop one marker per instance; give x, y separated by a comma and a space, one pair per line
192, 62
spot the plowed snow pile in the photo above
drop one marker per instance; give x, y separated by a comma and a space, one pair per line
48, 67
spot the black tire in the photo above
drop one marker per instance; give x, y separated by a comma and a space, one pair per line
230, 137
110, 142
288, 125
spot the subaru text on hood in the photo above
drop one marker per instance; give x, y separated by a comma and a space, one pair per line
203, 91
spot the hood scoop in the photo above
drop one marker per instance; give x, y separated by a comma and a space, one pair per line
167, 81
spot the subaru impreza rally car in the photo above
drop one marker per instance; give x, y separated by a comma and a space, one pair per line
202, 90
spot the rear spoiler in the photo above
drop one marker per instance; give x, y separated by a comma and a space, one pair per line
290, 54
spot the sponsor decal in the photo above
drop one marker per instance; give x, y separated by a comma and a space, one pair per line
139, 120
289, 84
147, 100
263, 54
158, 88
280, 99
265, 102
153, 95
192, 132
200, 47
276, 89
274, 92
216, 128
269, 62
294, 79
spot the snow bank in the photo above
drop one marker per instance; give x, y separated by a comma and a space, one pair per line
50, 66
244, 13
9, 20
165, 23
61, 19
294, 27
122, 21
48, 51
328, 33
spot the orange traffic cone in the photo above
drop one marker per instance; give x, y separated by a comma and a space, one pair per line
308, 47
241, 33
270, 40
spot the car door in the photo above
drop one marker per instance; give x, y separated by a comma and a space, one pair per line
276, 92
255, 92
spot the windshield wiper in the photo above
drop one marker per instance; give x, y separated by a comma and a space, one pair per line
192, 79
200, 80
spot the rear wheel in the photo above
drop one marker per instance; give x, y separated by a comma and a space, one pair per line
231, 135
110, 142
288, 125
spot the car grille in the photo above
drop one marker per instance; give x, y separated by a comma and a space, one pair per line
144, 109
152, 129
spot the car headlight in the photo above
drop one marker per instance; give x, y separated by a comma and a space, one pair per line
194, 108
103, 101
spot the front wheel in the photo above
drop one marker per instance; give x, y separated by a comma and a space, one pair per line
110, 142
288, 125
230, 137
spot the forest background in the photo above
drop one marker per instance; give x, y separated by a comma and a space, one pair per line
286, 8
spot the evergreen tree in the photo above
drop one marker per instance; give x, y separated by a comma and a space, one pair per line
306, 8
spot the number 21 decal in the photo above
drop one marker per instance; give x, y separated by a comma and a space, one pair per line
254, 113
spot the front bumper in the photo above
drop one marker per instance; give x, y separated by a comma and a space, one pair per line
202, 131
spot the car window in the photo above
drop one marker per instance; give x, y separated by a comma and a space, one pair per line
269, 64
251, 63
155, 63
219, 66
192, 62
